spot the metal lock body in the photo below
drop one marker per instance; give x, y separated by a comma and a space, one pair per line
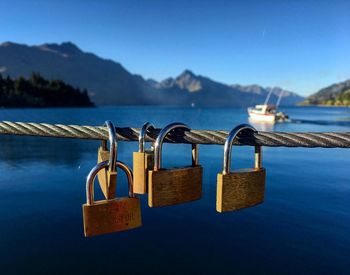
107, 178
240, 188
177, 185
143, 161
112, 215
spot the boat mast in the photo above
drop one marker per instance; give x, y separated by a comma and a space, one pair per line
268, 96
279, 98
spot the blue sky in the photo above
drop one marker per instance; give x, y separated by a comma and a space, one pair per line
298, 45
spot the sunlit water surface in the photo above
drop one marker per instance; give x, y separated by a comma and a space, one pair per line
303, 226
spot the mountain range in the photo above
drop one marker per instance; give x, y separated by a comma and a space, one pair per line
109, 83
331, 95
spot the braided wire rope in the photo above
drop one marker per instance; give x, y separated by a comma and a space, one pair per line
271, 139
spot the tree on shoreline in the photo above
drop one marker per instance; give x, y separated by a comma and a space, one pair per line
39, 92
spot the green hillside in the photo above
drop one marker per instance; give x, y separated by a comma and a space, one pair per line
342, 99
335, 95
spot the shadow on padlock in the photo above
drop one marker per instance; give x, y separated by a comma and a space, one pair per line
143, 161
107, 178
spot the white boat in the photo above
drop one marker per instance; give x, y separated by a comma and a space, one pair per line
262, 113
266, 112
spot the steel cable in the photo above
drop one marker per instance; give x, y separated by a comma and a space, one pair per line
271, 139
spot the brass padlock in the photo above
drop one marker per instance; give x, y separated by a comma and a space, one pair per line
143, 161
176, 185
111, 215
107, 178
240, 188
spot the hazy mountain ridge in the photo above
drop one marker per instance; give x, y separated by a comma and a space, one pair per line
202, 90
185, 81
329, 95
109, 83
265, 90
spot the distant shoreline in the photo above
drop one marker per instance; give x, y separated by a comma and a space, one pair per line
38, 92
323, 105
161, 106
154, 106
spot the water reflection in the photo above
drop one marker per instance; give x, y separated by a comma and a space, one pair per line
345, 122
303, 224
15, 150
270, 126
266, 126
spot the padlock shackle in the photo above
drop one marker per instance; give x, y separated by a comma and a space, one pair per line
98, 167
129, 175
113, 146
159, 141
228, 147
142, 135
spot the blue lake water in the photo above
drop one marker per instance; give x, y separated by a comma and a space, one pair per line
302, 228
